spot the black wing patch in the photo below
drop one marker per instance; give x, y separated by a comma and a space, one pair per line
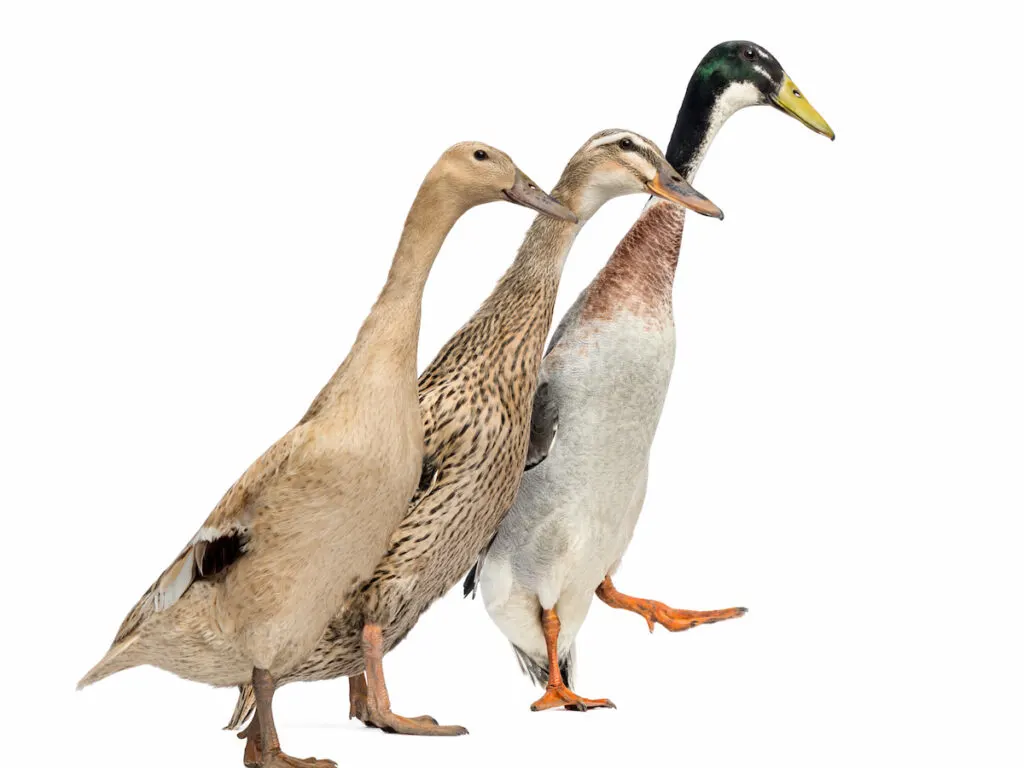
543, 426
427, 474
212, 557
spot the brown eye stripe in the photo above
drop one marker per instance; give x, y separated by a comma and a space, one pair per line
647, 154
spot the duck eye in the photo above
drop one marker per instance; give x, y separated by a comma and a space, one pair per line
480, 155
625, 143
748, 54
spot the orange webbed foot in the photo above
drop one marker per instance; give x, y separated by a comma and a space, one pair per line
680, 619
561, 696
672, 619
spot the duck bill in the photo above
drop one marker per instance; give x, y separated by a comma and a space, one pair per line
790, 100
670, 186
524, 192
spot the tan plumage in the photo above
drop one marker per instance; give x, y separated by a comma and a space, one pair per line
252, 592
477, 398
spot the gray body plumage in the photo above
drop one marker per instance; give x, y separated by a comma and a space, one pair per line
602, 387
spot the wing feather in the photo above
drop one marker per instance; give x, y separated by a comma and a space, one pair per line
543, 426
221, 541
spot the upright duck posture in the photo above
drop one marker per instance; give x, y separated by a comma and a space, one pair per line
476, 397
602, 386
251, 594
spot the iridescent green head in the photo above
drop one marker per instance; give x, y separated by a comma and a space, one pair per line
732, 76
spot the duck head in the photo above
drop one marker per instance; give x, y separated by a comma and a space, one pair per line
730, 77
617, 162
482, 174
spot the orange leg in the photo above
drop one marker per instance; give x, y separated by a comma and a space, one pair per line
357, 699
557, 694
358, 702
378, 704
673, 619
268, 746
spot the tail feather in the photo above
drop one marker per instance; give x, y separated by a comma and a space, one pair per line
244, 708
469, 585
539, 671
118, 658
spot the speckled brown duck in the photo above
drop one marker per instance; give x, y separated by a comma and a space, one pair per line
476, 396
251, 594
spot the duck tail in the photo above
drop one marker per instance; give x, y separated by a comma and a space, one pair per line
118, 658
539, 671
244, 708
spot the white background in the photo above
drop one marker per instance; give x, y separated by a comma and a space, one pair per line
200, 202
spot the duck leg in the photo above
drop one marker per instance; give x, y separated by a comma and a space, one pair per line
673, 619
268, 746
358, 703
358, 706
253, 756
357, 698
378, 704
557, 694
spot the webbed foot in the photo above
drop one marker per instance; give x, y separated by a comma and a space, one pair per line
560, 696
281, 760
653, 612
424, 725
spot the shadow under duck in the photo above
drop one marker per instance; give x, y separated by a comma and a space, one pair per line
252, 592
602, 386
476, 397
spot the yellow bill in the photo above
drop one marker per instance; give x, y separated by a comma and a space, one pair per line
791, 100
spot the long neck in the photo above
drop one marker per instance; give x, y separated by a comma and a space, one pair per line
393, 324
645, 262
383, 357
537, 269
639, 275
704, 110
512, 323
641, 271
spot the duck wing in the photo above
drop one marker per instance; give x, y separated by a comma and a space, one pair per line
221, 541
543, 426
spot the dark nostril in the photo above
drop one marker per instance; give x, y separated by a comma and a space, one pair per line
677, 178
797, 93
